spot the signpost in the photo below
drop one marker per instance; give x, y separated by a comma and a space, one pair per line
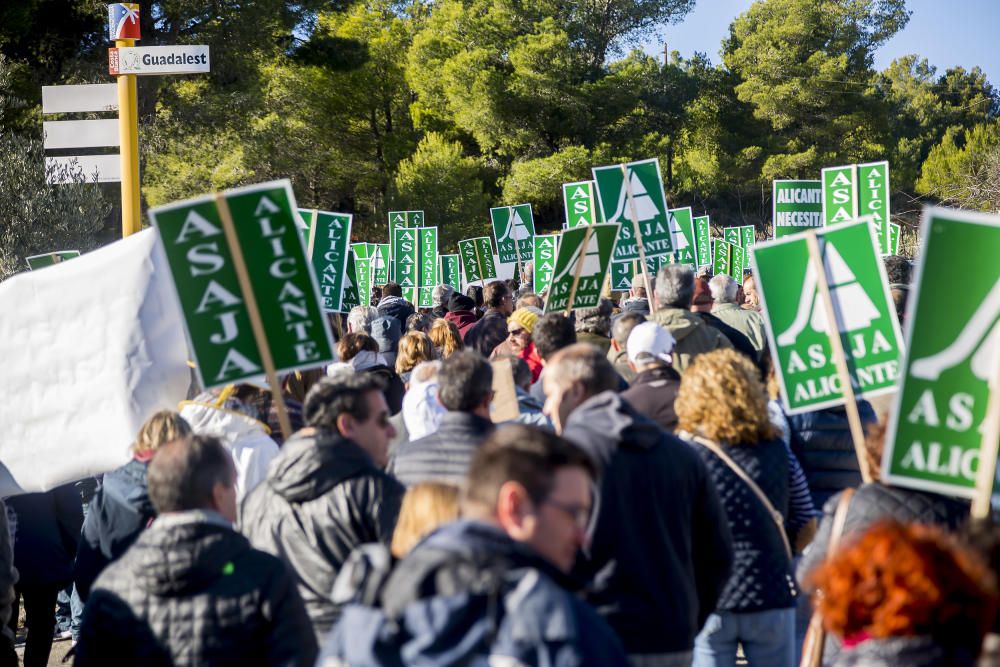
703, 240
545, 250
942, 434
797, 206
580, 204
477, 260
329, 238
242, 324
145, 60
582, 262
50, 258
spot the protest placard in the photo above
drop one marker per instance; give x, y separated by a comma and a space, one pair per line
329, 238
545, 261
748, 236
362, 250
703, 240
940, 431
580, 204
362, 272
722, 257
451, 272
250, 301
621, 276
352, 294
873, 198
632, 194
797, 206
477, 259
381, 263
737, 262
513, 228
50, 258
892, 238
582, 261
840, 194
427, 276
682, 228
731, 235
405, 256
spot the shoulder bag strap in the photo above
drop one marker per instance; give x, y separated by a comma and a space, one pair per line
776, 516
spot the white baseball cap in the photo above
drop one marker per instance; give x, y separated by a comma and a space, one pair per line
649, 341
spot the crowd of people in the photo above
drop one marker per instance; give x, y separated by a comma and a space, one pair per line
650, 505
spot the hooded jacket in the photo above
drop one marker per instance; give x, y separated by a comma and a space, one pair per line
45, 528
693, 336
191, 591
397, 308
246, 439
653, 392
118, 512
444, 455
661, 551
487, 333
323, 497
463, 319
470, 595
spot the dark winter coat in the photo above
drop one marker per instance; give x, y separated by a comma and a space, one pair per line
463, 319
323, 497
487, 333
653, 392
739, 340
762, 570
661, 550
470, 595
118, 512
442, 456
397, 308
46, 530
191, 591
394, 389
905, 652
822, 442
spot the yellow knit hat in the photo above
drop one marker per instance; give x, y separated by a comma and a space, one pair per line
526, 317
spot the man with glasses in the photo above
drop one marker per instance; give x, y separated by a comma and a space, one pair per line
492, 588
325, 492
491, 329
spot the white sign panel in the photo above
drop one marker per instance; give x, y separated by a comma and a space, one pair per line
80, 133
107, 168
73, 99
141, 60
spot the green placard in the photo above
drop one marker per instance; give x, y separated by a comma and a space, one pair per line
215, 308
50, 258
513, 228
873, 198
329, 239
305, 216
584, 251
362, 279
621, 276
451, 272
352, 292
682, 227
427, 276
703, 240
405, 219
405, 256
731, 235
425, 297
748, 236
892, 240
840, 194
362, 250
797, 206
721, 257
580, 204
477, 259
545, 262
381, 263
796, 320
648, 202
953, 338
412, 294
738, 260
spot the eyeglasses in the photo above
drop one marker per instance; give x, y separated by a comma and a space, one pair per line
517, 332
579, 514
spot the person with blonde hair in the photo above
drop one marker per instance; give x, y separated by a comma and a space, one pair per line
121, 508
722, 411
425, 506
415, 347
446, 338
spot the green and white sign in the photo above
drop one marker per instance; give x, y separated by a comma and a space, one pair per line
797, 325
953, 338
682, 228
722, 257
873, 198
840, 194
513, 228
50, 258
451, 271
621, 276
545, 261
581, 204
414, 253
381, 263
582, 262
732, 235
797, 206
737, 262
646, 209
748, 236
405, 219
362, 281
428, 274
329, 238
892, 242
263, 224
703, 240
477, 259
352, 292
362, 250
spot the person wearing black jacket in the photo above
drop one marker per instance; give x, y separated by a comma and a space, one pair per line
325, 493
191, 590
661, 549
392, 304
655, 385
491, 329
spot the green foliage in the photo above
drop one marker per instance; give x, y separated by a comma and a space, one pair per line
539, 181
438, 179
965, 170
36, 217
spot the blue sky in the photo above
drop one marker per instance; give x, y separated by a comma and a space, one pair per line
946, 32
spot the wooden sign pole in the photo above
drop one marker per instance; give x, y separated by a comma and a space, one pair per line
986, 472
312, 234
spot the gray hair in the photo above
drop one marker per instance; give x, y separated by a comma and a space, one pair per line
441, 294
359, 320
623, 326
723, 288
674, 286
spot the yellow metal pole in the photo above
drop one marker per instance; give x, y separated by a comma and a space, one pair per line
128, 139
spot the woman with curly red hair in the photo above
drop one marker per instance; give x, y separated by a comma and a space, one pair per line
905, 595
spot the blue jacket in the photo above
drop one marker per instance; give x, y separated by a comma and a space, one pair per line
46, 530
470, 595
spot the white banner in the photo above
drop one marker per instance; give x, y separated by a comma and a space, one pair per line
91, 348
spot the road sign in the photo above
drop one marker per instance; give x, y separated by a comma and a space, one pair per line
123, 21
244, 283
147, 60
582, 262
797, 323
545, 261
580, 203
80, 133
797, 206
329, 238
632, 194
938, 427
106, 168
80, 98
